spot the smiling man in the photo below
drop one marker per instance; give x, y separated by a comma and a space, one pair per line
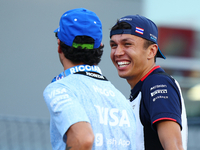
155, 96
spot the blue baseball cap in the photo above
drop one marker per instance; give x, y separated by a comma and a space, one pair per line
79, 22
142, 27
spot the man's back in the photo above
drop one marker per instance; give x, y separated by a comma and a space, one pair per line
96, 101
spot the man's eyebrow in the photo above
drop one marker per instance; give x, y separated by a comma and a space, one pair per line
127, 39
123, 40
112, 41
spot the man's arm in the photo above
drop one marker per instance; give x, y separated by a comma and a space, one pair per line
169, 133
80, 137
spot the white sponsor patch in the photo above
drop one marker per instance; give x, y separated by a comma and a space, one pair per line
57, 92
105, 92
84, 68
119, 142
94, 75
124, 19
63, 102
116, 120
158, 97
158, 86
158, 92
99, 139
58, 98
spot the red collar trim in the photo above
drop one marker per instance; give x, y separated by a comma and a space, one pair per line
156, 67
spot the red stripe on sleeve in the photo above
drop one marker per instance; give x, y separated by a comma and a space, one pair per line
161, 119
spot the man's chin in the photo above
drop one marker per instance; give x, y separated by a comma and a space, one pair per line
122, 76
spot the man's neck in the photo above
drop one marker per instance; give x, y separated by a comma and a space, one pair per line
135, 79
68, 64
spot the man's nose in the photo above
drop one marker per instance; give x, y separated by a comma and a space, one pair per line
119, 51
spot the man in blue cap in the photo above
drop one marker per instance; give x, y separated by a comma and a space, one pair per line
155, 96
86, 110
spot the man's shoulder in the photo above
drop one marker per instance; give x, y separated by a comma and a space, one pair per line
157, 77
55, 86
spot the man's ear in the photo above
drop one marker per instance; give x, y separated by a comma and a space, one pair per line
152, 51
59, 48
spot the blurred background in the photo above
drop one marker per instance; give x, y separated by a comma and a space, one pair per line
29, 60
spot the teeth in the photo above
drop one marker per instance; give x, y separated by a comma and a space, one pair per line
123, 63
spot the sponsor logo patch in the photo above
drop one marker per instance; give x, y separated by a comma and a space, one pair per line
158, 86
158, 97
118, 118
105, 92
158, 92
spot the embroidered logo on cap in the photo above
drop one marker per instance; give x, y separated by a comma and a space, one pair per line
139, 30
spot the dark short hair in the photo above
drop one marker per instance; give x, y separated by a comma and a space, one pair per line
147, 43
82, 55
121, 25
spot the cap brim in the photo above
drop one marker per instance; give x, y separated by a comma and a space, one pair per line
160, 54
56, 30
